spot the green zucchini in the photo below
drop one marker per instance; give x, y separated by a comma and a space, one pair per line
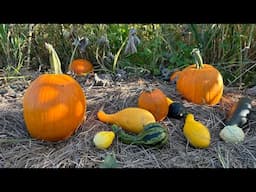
239, 112
153, 134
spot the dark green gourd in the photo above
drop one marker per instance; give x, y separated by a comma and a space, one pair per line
239, 112
154, 134
177, 110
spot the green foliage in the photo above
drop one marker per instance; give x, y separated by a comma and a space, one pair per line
109, 161
182, 58
231, 48
12, 47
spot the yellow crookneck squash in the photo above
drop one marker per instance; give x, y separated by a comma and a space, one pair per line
196, 133
132, 119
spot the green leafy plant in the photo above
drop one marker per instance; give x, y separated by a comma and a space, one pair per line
109, 162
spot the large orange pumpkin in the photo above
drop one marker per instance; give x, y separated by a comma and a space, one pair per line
200, 83
154, 100
54, 104
81, 66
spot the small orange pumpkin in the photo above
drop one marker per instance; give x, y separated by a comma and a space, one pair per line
154, 100
200, 83
81, 66
54, 105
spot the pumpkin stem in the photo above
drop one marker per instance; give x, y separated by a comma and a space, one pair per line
54, 59
198, 58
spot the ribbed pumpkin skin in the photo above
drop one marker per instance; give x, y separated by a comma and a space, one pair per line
80, 66
155, 102
54, 107
201, 86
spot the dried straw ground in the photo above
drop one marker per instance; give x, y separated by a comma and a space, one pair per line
18, 150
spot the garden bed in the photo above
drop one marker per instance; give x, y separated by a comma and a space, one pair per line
19, 150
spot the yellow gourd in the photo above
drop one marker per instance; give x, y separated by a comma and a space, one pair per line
169, 101
196, 133
131, 119
103, 139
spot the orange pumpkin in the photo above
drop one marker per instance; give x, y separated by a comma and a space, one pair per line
81, 66
54, 104
200, 83
174, 76
154, 100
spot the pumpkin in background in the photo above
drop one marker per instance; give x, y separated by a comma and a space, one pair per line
174, 76
200, 83
81, 66
154, 100
54, 104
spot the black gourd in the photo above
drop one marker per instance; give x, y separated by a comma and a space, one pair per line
177, 110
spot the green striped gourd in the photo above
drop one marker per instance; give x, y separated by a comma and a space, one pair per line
153, 134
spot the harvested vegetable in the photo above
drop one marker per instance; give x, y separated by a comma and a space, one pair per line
131, 119
154, 134
232, 134
239, 112
103, 139
238, 116
177, 110
154, 100
196, 133
200, 83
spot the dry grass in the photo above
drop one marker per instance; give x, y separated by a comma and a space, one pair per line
18, 150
